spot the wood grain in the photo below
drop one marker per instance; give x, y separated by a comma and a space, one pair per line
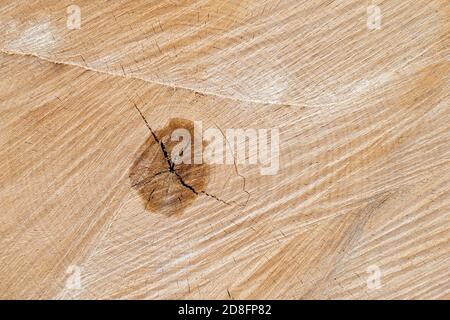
364, 173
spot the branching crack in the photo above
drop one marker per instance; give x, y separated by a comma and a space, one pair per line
235, 167
170, 163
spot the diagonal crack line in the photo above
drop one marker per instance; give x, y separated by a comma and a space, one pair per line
161, 144
213, 196
121, 74
172, 165
148, 180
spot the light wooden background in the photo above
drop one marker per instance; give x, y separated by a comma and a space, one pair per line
364, 173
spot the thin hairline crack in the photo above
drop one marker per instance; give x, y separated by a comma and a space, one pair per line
170, 163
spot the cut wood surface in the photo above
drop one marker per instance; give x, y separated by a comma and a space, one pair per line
362, 187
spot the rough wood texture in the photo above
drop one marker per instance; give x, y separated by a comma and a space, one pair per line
364, 173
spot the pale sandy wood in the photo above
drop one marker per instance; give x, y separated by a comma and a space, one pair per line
364, 149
